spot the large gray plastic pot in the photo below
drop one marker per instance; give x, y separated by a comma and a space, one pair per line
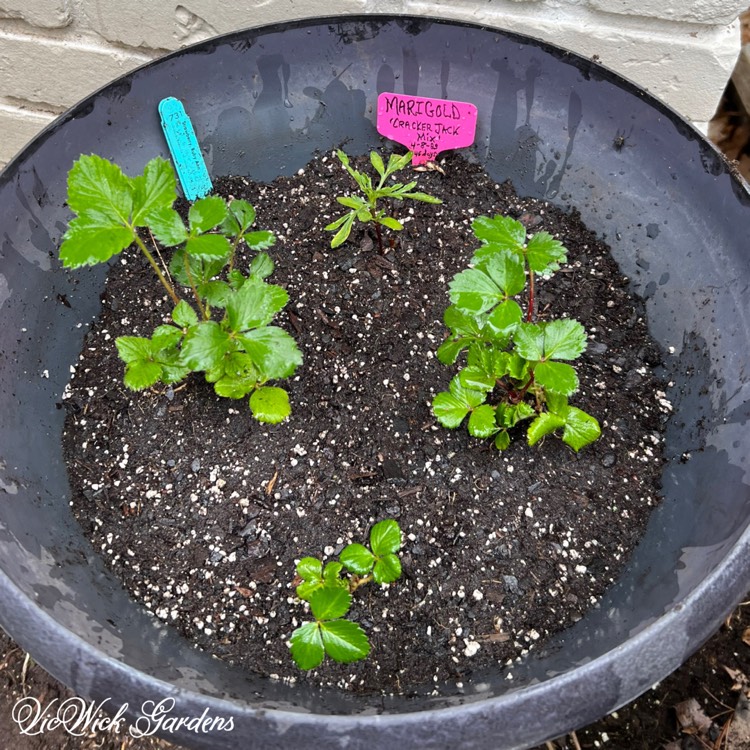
262, 102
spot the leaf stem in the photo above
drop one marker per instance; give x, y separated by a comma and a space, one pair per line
357, 582
530, 311
170, 290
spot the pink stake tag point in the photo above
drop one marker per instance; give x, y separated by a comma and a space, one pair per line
426, 126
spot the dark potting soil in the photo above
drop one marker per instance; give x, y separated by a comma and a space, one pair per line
202, 512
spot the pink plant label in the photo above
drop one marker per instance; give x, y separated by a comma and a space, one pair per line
426, 126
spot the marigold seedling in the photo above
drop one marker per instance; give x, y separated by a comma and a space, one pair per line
330, 597
516, 369
365, 209
237, 348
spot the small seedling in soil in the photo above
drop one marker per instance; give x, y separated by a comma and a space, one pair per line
226, 333
330, 597
365, 209
516, 367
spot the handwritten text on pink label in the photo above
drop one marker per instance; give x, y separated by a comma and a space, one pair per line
426, 126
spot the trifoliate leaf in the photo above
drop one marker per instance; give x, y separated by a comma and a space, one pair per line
206, 213
254, 305
167, 226
270, 404
93, 238
580, 429
184, 315
205, 345
474, 291
543, 425
273, 351
482, 422
141, 374
556, 377
98, 185
344, 641
387, 569
506, 270
329, 603
357, 558
306, 645
385, 537
259, 240
500, 230
563, 339
529, 341
156, 188
261, 266
544, 253
209, 247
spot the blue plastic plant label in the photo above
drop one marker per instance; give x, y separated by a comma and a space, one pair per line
183, 145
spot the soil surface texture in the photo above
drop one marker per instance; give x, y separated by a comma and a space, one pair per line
202, 511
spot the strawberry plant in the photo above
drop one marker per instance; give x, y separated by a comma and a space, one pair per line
330, 597
516, 367
226, 333
365, 209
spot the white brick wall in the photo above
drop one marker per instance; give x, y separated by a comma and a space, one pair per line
55, 52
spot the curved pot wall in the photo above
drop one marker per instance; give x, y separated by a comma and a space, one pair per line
262, 101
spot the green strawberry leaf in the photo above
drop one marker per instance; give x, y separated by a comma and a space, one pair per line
331, 575
503, 321
240, 217
205, 346
329, 603
543, 425
500, 230
156, 188
580, 429
166, 337
502, 440
473, 291
216, 293
167, 226
357, 558
344, 641
98, 185
529, 341
261, 266
556, 377
449, 350
310, 568
142, 374
387, 569
506, 270
449, 410
259, 240
482, 422
255, 304
509, 415
273, 351
233, 386
461, 322
189, 270
270, 404
134, 348
306, 645
206, 213
209, 247
385, 537
184, 315
544, 253
563, 339
93, 238
477, 379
